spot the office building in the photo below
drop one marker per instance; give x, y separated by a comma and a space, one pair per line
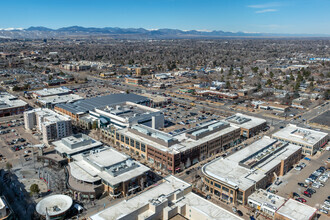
173, 153
105, 170
234, 178
170, 199
249, 125
11, 105
310, 140
75, 144
52, 125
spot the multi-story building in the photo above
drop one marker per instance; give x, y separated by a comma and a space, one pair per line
51, 92
52, 125
127, 114
134, 81
310, 140
170, 199
174, 153
234, 178
51, 101
69, 146
82, 107
11, 105
249, 125
105, 170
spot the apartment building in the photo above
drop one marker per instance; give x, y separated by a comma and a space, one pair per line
52, 125
174, 153
234, 178
310, 140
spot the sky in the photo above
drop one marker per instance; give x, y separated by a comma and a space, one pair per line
284, 16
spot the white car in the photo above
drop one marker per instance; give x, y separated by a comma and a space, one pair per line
303, 165
298, 168
323, 211
323, 179
317, 173
319, 183
325, 207
309, 180
317, 186
327, 203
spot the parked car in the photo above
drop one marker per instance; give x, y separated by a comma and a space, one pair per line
326, 202
323, 179
298, 168
295, 194
323, 211
302, 200
302, 185
306, 193
317, 186
325, 207
303, 165
311, 191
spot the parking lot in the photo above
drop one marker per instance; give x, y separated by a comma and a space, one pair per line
290, 183
15, 141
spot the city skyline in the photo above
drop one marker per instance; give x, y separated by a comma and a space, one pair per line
280, 17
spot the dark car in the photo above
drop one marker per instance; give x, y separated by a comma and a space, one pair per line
311, 191
306, 193
302, 185
239, 212
295, 194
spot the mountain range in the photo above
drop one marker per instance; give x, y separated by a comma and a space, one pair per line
129, 33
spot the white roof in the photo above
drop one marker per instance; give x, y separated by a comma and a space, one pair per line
56, 99
266, 199
253, 122
295, 210
230, 172
161, 192
62, 202
94, 167
8, 100
62, 148
52, 91
300, 135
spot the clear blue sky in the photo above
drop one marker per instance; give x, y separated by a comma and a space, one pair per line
284, 16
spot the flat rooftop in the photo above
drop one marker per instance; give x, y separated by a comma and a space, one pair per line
245, 121
52, 91
49, 116
293, 209
179, 142
56, 99
233, 170
300, 135
159, 193
83, 106
8, 100
127, 110
267, 199
73, 144
107, 164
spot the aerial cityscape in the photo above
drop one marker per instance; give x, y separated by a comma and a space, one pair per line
165, 110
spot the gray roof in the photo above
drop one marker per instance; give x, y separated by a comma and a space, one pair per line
86, 105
